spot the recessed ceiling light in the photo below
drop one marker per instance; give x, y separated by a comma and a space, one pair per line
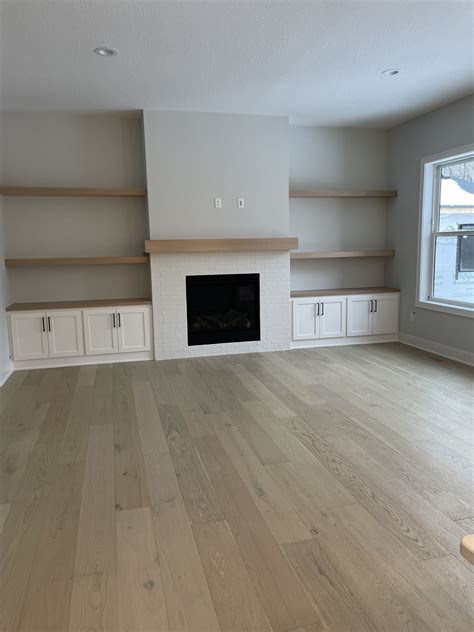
105, 51
390, 72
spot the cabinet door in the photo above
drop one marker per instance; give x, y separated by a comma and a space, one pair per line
29, 336
65, 334
133, 328
385, 314
305, 321
332, 317
359, 316
100, 331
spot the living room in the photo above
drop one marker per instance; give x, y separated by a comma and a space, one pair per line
236, 316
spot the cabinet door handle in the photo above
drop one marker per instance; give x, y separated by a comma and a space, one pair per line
49, 324
113, 320
322, 309
371, 309
375, 301
44, 326
316, 312
119, 321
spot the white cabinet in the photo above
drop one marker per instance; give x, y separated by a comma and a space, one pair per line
385, 314
322, 317
65, 337
100, 331
122, 330
133, 328
332, 317
359, 316
374, 314
29, 336
305, 322
38, 335
38, 338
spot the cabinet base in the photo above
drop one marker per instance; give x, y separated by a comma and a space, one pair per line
347, 340
112, 358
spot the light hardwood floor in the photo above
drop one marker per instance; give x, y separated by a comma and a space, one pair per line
303, 491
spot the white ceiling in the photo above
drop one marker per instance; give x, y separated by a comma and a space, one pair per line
318, 62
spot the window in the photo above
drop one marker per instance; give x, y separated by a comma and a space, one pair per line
446, 255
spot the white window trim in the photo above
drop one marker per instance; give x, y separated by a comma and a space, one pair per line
425, 217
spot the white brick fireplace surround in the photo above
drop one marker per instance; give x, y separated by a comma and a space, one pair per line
168, 278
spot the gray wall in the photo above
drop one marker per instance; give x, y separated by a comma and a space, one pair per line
74, 150
191, 158
4, 285
337, 158
444, 129
4, 300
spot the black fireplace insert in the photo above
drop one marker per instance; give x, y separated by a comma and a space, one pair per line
223, 308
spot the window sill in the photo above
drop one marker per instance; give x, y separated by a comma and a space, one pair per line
455, 310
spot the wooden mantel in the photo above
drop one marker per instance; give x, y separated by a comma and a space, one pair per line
155, 246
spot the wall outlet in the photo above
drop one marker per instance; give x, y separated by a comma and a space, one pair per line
217, 202
412, 317
240, 203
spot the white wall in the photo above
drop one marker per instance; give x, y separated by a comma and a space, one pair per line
74, 150
192, 158
337, 158
444, 129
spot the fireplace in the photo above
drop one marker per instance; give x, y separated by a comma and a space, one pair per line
223, 308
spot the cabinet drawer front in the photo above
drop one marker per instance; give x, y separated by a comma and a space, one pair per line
29, 336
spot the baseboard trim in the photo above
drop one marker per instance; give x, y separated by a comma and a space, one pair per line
451, 353
346, 340
5, 375
51, 363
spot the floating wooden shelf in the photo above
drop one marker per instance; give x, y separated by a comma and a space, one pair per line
73, 191
76, 261
101, 302
343, 291
343, 193
341, 254
220, 245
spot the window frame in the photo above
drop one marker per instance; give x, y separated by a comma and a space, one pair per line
428, 230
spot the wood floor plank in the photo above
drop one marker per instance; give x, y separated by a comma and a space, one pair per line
94, 603
262, 444
152, 436
345, 589
130, 479
96, 543
431, 602
312, 490
199, 498
232, 591
48, 595
450, 573
263, 394
4, 511
276, 585
283, 522
410, 534
141, 602
18, 541
445, 531
188, 601
87, 376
